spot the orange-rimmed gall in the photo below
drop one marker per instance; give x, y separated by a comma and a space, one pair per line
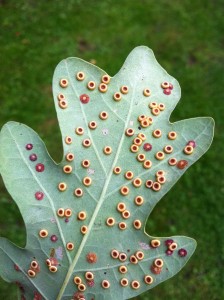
117, 170
92, 125
141, 118
67, 169
81, 287
139, 200
117, 96
79, 130
53, 269
107, 150
68, 140
80, 76
173, 246
124, 190
89, 276
81, 215
137, 224
87, 181
85, 163
147, 92
133, 259
102, 87
62, 186
35, 266
137, 141
168, 149
161, 179
158, 262
110, 221
135, 284
78, 192
149, 184
148, 279
155, 243
147, 164
160, 173
140, 157
86, 143
84, 229
61, 212
134, 148
68, 213
152, 104
124, 89
150, 120
157, 133
124, 282
114, 254
172, 161
172, 135
77, 280
61, 97
145, 123
140, 255
165, 85
142, 136
123, 269
69, 156
160, 155
105, 79
122, 225
137, 182
63, 83
91, 85
103, 115
155, 111
48, 262
122, 256
121, 206
129, 132
43, 233
126, 214
156, 186
105, 284
188, 150
70, 246
31, 273
129, 175
161, 106
63, 104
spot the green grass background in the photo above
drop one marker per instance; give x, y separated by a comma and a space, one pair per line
187, 38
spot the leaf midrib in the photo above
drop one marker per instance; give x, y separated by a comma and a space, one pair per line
100, 202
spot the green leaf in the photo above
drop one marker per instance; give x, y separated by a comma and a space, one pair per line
32, 178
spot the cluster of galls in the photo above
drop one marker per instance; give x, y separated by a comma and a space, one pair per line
34, 269
52, 264
167, 87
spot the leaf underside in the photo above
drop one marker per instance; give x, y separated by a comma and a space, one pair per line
140, 97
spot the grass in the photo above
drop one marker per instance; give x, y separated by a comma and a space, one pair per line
187, 38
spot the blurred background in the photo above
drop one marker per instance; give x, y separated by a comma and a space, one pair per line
187, 39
